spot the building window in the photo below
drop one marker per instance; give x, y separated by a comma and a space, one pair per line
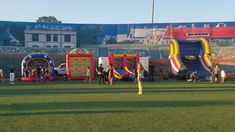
48, 46
35, 37
196, 34
55, 38
67, 46
67, 38
48, 38
55, 46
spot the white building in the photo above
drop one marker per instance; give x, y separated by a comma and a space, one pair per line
50, 37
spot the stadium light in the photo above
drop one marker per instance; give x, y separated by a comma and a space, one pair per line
153, 9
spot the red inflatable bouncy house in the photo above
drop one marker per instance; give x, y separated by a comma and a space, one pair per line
77, 65
124, 65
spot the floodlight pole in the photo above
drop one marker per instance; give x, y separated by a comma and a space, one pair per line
153, 12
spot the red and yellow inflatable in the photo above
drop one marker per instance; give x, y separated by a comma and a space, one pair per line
124, 65
77, 65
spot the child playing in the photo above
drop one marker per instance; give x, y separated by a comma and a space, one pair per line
88, 75
110, 74
193, 77
47, 74
222, 75
1, 74
139, 79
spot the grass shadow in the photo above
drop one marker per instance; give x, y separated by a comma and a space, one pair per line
7, 92
117, 105
66, 112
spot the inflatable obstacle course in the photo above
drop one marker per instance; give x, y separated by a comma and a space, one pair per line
187, 56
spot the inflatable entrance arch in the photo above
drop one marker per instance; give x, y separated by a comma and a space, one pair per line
187, 56
32, 61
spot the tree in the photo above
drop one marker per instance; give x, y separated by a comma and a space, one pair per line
48, 19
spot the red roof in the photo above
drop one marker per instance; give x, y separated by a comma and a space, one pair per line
206, 32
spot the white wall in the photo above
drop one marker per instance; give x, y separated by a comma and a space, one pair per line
42, 43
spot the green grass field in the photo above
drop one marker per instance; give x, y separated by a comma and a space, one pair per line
171, 106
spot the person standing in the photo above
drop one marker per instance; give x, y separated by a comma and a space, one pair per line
47, 74
1, 74
110, 74
33, 73
100, 72
88, 75
43, 72
161, 74
212, 78
38, 71
151, 71
139, 67
222, 75
142, 74
26, 72
216, 73
12, 74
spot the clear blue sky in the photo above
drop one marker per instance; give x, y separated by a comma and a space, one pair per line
118, 11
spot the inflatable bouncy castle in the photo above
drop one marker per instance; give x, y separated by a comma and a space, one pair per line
77, 62
187, 56
31, 62
77, 65
124, 65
